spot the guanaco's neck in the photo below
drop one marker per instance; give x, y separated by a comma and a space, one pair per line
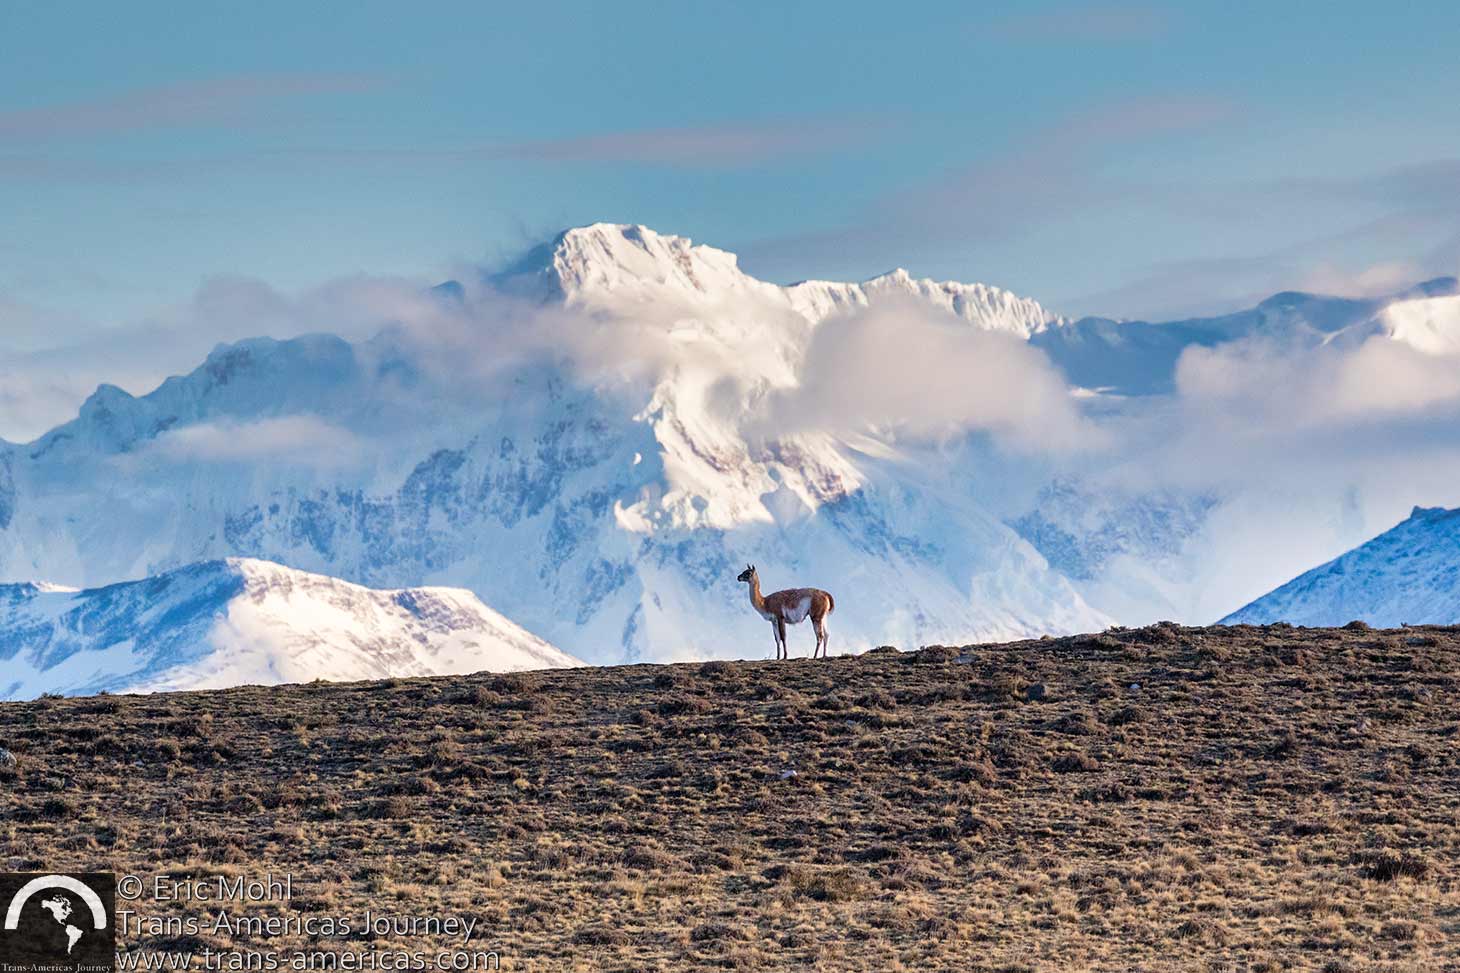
756, 601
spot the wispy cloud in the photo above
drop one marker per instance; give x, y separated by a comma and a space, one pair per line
50, 361
729, 144
68, 169
1056, 170
1054, 173
1418, 229
1429, 183
298, 440
1405, 219
1107, 23
201, 102
25, 326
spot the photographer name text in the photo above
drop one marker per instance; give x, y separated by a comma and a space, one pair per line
213, 888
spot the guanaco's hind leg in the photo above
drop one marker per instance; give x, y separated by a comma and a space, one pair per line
821, 637
782, 652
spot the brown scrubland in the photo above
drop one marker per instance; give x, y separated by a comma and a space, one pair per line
1165, 798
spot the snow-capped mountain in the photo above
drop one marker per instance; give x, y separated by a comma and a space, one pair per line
583, 440
240, 621
610, 265
1139, 357
608, 514
1408, 575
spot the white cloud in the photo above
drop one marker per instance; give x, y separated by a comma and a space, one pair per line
909, 369
718, 146
298, 440
32, 402
1308, 452
1380, 418
1373, 280
200, 102
47, 371
1279, 389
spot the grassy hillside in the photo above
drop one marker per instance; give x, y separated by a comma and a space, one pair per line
1163, 798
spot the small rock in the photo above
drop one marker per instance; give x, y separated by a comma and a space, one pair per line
788, 774
7, 759
1135, 687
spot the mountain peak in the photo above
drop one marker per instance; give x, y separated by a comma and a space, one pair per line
1306, 300
1433, 513
1434, 287
105, 398
620, 259
631, 264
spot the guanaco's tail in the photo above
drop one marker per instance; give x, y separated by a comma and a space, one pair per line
830, 603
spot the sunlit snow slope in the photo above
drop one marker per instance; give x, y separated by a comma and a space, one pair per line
1408, 575
239, 621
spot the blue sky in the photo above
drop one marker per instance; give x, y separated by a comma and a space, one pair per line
1127, 159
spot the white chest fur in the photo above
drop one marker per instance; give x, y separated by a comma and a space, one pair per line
795, 612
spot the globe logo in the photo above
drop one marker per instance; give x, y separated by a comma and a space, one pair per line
56, 921
60, 907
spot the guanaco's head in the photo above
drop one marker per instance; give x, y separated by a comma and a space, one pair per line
747, 574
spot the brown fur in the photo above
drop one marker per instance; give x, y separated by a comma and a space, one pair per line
791, 606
